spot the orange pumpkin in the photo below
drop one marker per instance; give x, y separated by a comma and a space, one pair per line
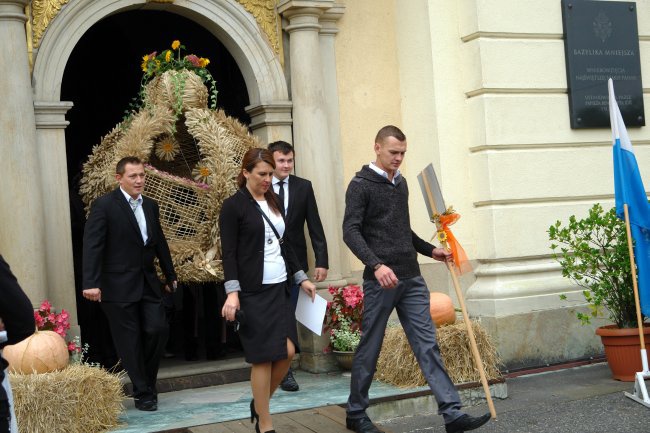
442, 309
42, 352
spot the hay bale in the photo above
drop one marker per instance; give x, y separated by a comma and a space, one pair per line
77, 399
397, 364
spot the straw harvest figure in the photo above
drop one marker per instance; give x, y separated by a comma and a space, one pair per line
192, 153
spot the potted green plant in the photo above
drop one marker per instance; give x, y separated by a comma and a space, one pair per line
593, 253
343, 321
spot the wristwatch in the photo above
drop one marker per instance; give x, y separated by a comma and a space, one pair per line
377, 266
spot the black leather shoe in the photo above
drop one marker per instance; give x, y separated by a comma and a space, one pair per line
361, 425
289, 383
466, 422
146, 405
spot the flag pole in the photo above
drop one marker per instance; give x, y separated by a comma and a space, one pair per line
470, 332
635, 286
640, 394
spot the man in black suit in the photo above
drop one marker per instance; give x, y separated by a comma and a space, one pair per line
297, 196
121, 239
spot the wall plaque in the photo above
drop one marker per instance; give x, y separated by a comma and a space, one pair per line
601, 41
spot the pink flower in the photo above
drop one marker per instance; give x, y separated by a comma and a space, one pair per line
72, 347
39, 320
59, 330
46, 306
194, 60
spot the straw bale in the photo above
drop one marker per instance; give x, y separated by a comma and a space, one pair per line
78, 399
397, 364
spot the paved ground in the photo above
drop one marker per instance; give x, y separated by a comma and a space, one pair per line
583, 399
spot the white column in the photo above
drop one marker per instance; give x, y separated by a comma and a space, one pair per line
21, 206
271, 121
50, 137
311, 128
328, 31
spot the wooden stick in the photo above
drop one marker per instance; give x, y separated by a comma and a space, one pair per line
459, 294
472, 341
635, 285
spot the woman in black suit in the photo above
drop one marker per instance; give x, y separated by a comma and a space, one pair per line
256, 273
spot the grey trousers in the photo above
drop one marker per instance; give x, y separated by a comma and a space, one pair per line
411, 299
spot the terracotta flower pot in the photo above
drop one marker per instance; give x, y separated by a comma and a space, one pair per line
623, 350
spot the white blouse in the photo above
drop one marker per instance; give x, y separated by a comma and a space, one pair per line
275, 270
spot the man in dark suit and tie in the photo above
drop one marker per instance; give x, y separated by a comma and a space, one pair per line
122, 237
297, 197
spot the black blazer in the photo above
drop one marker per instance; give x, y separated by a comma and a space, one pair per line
16, 312
115, 258
303, 208
15, 307
242, 242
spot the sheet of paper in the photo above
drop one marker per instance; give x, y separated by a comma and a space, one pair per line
311, 314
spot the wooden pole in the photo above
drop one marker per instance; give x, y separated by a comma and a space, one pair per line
472, 340
635, 285
459, 294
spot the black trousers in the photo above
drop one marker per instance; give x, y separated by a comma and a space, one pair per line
5, 416
202, 318
139, 332
5, 412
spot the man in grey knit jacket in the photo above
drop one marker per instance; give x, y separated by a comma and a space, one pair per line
377, 229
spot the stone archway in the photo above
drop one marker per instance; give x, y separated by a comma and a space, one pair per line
269, 107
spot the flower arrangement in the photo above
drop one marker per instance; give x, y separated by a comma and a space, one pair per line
48, 320
343, 318
172, 59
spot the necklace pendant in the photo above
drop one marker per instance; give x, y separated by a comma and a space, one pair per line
269, 241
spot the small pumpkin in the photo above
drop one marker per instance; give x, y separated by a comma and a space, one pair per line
42, 352
442, 309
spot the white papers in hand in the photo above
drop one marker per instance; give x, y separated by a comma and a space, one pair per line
311, 314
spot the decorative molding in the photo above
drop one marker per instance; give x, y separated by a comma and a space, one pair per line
42, 13
268, 19
513, 35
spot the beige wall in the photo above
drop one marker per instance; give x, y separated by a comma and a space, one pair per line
368, 79
479, 87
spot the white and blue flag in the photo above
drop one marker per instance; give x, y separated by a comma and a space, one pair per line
629, 190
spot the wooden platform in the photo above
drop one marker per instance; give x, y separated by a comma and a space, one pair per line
328, 419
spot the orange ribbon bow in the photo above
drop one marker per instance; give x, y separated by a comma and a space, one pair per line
445, 236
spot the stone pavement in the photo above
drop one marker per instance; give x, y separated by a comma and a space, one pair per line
583, 399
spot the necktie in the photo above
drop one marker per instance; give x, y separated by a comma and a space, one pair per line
281, 194
139, 217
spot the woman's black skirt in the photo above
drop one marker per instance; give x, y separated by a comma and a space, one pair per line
270, 320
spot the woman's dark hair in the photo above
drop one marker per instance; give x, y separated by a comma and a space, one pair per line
249, 162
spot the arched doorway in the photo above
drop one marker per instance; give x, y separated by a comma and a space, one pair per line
103, 74
101, 78
227, 20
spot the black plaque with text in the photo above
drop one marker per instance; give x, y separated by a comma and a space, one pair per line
601, 41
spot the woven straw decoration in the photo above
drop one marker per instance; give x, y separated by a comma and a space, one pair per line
204, 141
